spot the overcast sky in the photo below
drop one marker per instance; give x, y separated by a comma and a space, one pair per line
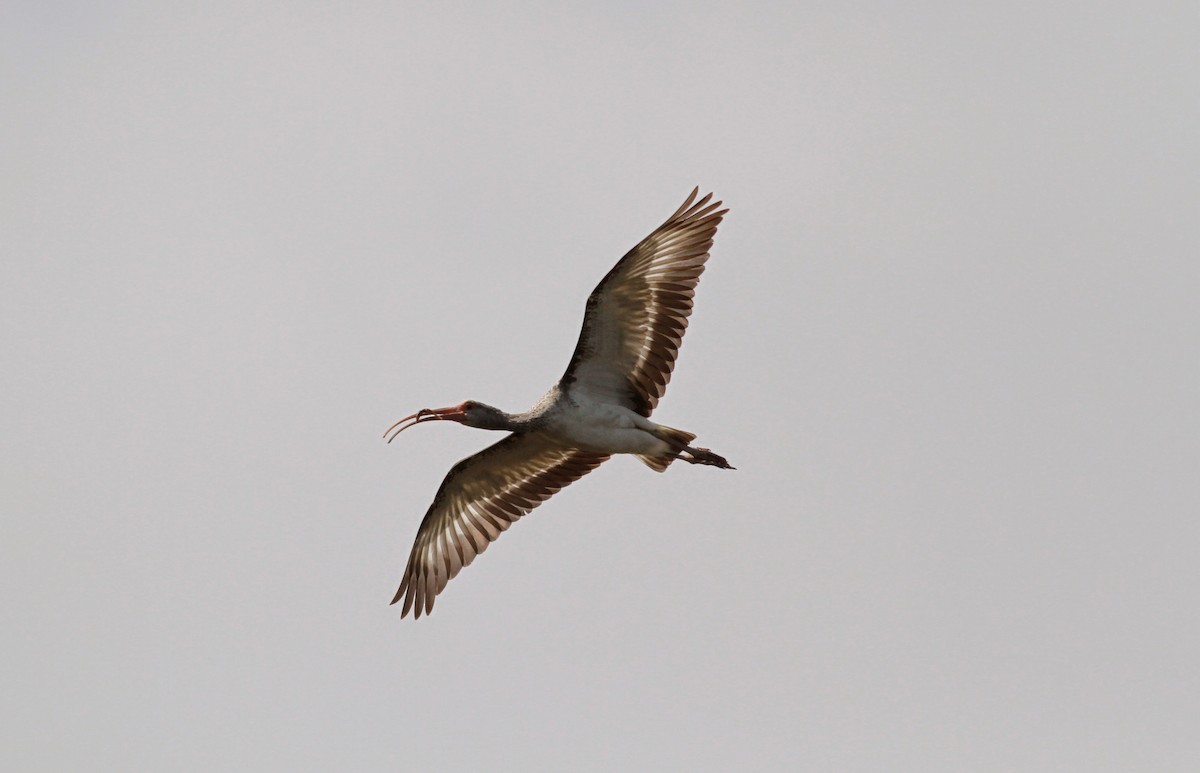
948, 335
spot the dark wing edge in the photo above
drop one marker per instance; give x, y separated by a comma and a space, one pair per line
645, 300
478, 500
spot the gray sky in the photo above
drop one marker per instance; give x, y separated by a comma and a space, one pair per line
948, 336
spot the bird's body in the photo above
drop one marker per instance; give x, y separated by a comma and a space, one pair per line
576, 419
633, 325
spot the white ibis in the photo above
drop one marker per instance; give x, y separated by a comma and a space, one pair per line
632, 327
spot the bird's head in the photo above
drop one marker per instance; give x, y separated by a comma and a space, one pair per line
470, 413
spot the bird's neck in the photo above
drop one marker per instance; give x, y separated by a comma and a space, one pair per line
517, 422
497, 419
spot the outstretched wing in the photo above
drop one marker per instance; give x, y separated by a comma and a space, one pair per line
481, 497
636, 316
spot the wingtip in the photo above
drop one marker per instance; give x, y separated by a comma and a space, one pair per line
692, 208
405, 593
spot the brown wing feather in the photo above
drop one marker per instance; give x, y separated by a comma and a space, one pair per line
637, 315
479, 499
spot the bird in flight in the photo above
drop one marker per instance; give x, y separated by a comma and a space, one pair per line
632, 327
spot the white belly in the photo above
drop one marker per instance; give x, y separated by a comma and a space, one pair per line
608, 429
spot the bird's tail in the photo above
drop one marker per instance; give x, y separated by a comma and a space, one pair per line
678, 439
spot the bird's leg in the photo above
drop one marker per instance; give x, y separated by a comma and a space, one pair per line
704, 456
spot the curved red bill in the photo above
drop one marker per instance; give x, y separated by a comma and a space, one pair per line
453, 413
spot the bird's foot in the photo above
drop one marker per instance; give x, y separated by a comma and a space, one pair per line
705, 456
